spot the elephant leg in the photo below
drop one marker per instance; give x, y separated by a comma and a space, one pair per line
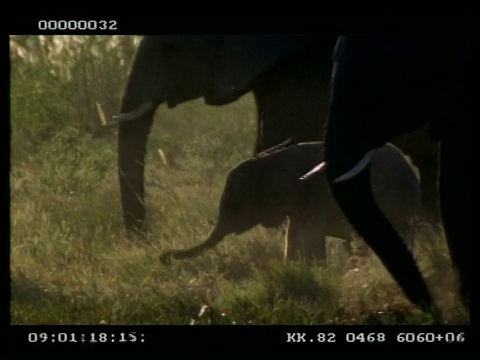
429, 188
454, 193
305, 239
132, 141
347, 246
424, 155
340, 229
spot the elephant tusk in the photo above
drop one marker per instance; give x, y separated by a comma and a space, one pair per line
314, 170
132, 115
357, 169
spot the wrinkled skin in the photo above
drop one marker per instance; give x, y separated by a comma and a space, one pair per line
384, 87
288, 75
266, 189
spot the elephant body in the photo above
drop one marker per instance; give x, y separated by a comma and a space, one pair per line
266, 189
388, 86
289, 76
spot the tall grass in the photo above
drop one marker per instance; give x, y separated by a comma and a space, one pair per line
71, 262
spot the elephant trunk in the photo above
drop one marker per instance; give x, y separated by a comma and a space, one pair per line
347, 143
134, 122
217, 235
132, 140
141, 98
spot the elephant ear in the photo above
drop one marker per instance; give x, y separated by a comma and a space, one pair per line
242, 58
281, 185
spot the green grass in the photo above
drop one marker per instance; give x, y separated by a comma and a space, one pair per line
71, 262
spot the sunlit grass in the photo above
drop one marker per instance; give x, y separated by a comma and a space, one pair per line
71, 262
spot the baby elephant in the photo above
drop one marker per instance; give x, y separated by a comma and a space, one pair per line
267, 189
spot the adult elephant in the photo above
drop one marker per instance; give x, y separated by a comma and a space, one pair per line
288, 75
385, 86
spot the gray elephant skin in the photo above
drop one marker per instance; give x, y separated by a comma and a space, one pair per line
266, 189
289, 76
384, 86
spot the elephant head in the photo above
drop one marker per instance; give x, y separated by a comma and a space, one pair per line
262, 190
383, 87
175, 69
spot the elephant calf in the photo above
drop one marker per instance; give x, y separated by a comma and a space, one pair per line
267, 189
